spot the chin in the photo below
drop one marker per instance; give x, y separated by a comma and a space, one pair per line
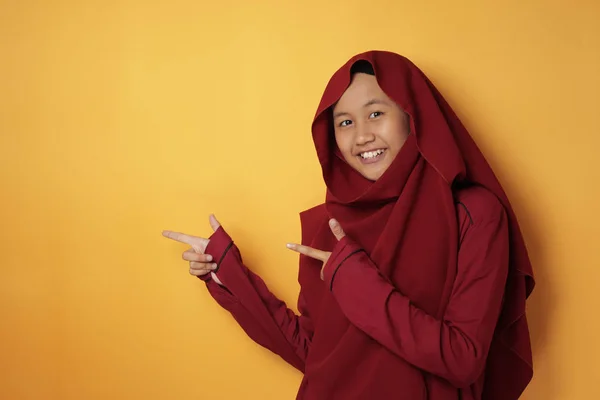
372, 175
371, 172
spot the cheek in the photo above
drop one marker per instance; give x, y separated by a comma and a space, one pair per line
344, 143
395, 135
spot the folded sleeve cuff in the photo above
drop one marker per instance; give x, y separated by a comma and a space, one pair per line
218, 245
343, 250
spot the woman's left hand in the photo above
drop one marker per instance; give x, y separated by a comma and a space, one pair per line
321, 255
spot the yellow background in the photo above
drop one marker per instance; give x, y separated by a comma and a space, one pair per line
119, 119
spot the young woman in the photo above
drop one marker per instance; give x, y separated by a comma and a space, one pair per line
413, 272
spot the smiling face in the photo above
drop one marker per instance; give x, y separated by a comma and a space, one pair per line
370, 128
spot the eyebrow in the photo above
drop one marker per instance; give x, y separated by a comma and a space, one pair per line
367, 104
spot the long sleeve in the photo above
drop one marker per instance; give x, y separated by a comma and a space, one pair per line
455, 347
265, 318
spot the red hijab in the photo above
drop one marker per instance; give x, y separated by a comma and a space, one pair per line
408, 218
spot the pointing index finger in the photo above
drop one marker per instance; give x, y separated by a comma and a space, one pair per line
308, 251
183, 238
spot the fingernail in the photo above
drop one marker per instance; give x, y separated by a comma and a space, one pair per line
289, 246
332, 222
214, 266
208, 257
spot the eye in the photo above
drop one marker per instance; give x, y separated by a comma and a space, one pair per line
345, 123
375, 114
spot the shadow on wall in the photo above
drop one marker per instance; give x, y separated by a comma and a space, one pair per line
542, 301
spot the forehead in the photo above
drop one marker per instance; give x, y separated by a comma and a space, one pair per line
362, 89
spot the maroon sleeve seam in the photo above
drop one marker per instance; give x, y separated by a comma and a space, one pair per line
339, 265
223, 256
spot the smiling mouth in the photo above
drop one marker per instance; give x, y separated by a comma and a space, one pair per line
370, 157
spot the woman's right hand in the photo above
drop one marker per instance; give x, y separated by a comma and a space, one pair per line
200, 263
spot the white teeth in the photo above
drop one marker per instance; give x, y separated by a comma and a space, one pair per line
371, 154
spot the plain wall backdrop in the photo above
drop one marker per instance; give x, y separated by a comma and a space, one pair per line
119, 119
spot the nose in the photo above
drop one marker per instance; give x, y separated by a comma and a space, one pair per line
364, 135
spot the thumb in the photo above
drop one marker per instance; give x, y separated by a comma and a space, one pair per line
214, 224
336, 228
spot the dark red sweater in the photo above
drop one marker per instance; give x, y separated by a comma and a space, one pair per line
453, 349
